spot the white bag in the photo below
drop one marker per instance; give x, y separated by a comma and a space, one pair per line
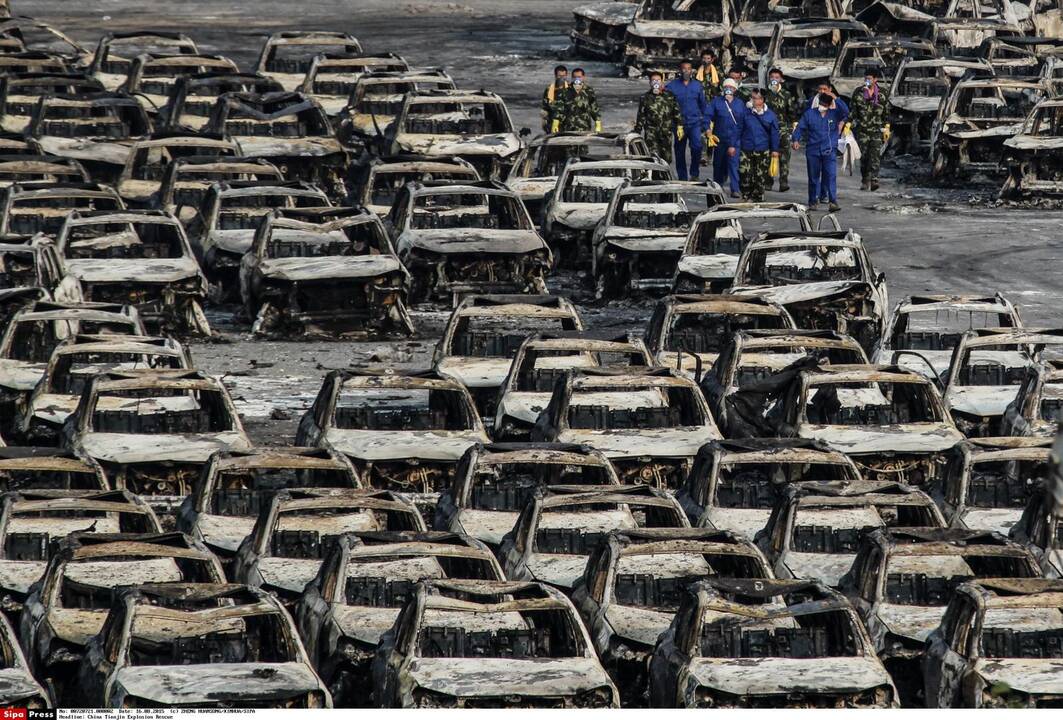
850, 152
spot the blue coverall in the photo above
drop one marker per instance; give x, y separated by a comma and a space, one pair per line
694, 108
728, 120
819, 133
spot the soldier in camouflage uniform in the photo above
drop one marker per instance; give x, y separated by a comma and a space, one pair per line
739, 74
788, 110
659, 118
552, 97
760, 142
869, 117
709, 74
579, 107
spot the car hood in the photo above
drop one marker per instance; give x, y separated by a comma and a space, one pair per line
998, 131
1032, 142
771, 676
910, 621
747, 521
819, 566
476, 372
105, 151
123, 448
911, 438
579, 216
525, 406
559, 570
374, 445
217, 682
939, 360
302, 147
643, 241
18, 575
490, 526
981, 400
133, 271
803, 292
500, 144
237, 242
637, 624
16, 684
675, 442
998, 519
76, 626
917, 103
708, 266
291, 574
480, 677
20, 375
223, 531
1034, 676
532, 188
325, 268
364, 624
680, 29
463, 240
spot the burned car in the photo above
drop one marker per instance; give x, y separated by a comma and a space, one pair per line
404, 432
34, 468
116, 50
903, 578
542, 359
151, 77
472, 125
493, 483
560, 526
632, 586
719, 235
650, 424
806, 49
751, 33
734, 484
378, 98
186, 180
20, 688
378, 182
974, 121
21, 91
141, 258
296, 528
916, 94
963, 36
31, 520
688, 332
36, 263
31, 208
663, 32
364, 581
235, 485
600, 29
989, 481
1033, 154
287, 55
636, 246
1040, 528
766, 644
470, 644
825, 280
192, 98
152, 430
483, 335
328, 272
1037, 410
29, 169
198, 645
148, 160
467, 239
814, 529
331, 78
881, 55
26, 33
69, 604
580, 199
923, 330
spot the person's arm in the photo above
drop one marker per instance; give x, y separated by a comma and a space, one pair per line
799, 133
677, 114
773, 134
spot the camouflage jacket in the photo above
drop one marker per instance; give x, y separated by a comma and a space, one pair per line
658, 114
550, 104
869, 118
711, 84
578, 110
785, 106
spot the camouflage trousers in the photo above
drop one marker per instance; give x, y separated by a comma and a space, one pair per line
753, 173
870, 155
660, 144
784, 156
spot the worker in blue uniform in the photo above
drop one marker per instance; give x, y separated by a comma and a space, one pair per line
819, 128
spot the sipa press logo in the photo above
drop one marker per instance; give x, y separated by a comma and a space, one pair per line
14, 714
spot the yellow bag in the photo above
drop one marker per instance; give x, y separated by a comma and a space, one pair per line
773, 169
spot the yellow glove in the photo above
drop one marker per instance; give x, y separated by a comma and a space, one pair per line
597, 126
555, 126
713, 140
793, 128
679, 132
773, 169
847, 129
886, 132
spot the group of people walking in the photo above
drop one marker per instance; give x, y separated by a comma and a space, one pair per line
751, 131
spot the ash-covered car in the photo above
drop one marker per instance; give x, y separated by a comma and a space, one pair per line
235, 485
467, 239
997, 647
140, 258
378, 98
989, 481
404, 432
192, 98
632, 586
31, 520
580, 199
31, 208
663, 32
148, 160
806, 49
903, 578
33, 468
472, 125
21, 91
688, 332
825, 280
20, 688
963, 36
988, 368
493, 483
1037, 410
1034, 155
734, 484
26, 33
185, 181
29, 169
600, 28
151, 77
152, 430
330, 272
917, 92
1040, 528
535, 171
223, 229
881, 55
377, 182
560, 526
198, 645
542, 359
483, 335
69, 604
364, 581
923, 330
750, 35
767, 644
331, 78
288, 129
718, 237
754, 355
637, 245
35, 263
975, 119
482, 644
295, 529
116, 51
650, 424
287, 55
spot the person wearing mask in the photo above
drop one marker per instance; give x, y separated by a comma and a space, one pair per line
579, 107
760, 143
727, 114
819, 128
869, 118
690, 94
787, 110
552, 97
708, 74
659, 118
823, 87
739, 74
